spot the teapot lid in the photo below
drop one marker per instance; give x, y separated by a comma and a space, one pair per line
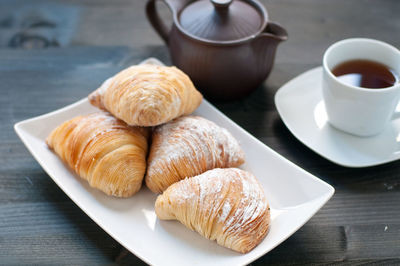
223, 20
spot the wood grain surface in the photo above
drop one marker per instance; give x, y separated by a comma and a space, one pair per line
53, 53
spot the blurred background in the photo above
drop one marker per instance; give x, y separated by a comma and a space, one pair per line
41, 24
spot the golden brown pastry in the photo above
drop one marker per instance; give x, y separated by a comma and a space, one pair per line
106, 152
147, 95
226, 205
189, 146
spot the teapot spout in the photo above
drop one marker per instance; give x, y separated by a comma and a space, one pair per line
264, 48
274, 31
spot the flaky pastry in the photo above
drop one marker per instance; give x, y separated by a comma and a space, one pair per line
147, 95
226, 205
189, 146
106, 152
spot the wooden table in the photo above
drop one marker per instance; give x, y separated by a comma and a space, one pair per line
53, 53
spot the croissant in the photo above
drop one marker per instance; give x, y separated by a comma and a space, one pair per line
226, 205
147, 95
189, 146
106, 152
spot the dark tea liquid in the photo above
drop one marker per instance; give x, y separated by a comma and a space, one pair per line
366, 74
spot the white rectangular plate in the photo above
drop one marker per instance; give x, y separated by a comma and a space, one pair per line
294, 196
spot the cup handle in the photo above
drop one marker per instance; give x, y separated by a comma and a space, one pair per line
396, 113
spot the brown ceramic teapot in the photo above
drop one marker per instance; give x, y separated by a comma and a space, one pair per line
226, 47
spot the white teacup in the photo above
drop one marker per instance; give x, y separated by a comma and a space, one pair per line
356, 110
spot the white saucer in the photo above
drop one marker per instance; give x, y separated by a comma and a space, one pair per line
301, 107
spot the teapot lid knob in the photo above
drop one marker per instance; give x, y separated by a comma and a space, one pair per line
221, 4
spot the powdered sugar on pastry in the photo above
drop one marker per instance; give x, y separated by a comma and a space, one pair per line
188, 146
226, 205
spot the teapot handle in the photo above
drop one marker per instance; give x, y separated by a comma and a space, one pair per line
152, 15
155, 20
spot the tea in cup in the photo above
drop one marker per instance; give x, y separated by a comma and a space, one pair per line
361, 87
